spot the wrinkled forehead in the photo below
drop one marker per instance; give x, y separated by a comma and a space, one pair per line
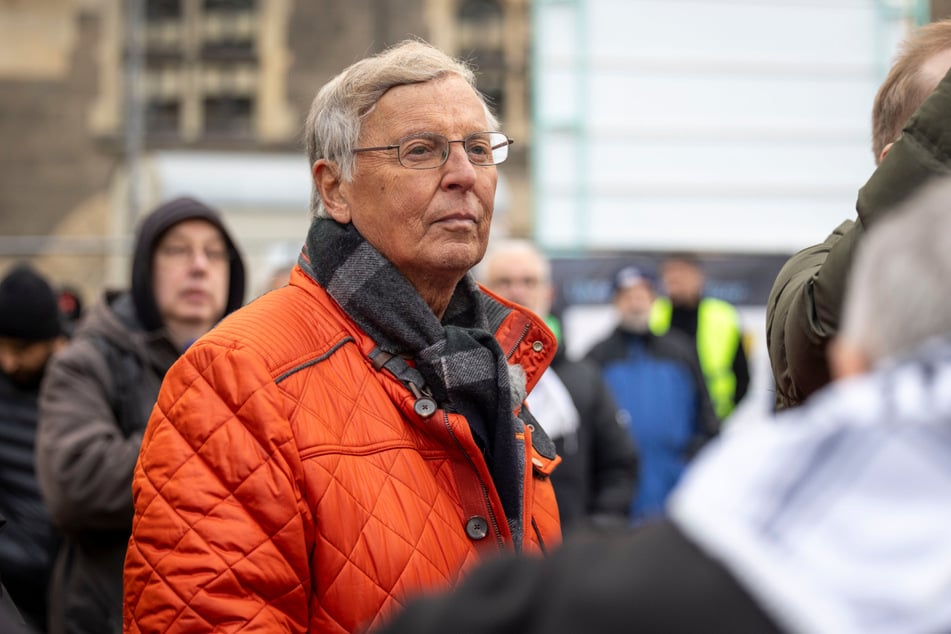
448, 100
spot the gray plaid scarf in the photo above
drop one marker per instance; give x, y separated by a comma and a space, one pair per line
463, 365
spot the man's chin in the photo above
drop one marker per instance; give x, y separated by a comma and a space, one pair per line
26, 380
636, 327
197, 314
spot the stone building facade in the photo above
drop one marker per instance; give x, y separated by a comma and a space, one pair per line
224, 86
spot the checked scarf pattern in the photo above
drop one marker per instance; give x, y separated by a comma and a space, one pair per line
464, 367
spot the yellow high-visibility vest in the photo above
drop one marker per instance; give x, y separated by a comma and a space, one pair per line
718, 335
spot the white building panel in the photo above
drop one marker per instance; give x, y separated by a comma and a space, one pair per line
716, 125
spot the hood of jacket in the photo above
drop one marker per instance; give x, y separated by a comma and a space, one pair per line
150, 232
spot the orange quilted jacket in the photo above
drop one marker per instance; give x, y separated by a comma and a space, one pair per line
285, 485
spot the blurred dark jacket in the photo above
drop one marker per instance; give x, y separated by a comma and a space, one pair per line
597, 478
805, 303
28, 541
659, 387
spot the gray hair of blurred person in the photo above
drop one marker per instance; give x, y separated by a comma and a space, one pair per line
333, 124
897, 295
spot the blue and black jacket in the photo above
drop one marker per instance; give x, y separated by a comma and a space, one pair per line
657, 382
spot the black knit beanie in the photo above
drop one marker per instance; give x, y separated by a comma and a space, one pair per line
150, 232
28, 307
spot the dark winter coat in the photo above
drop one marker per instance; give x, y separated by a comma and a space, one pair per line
805, 303
597, 477
27, 541
627, 582
85, 458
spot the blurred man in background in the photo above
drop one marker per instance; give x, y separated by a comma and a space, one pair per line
596, 479
712, 324
657, 382
99, 391
31, 330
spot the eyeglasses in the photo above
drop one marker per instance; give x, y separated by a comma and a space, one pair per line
182, 254
529, 282
429, 151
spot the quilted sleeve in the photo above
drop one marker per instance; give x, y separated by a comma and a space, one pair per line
83, 462
219, 540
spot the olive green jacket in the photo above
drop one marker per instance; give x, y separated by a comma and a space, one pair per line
805, 303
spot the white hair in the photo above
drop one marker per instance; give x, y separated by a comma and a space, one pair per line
898, 290
333, 123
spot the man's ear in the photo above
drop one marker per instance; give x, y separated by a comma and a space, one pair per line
330, 188
846, 359
885, 151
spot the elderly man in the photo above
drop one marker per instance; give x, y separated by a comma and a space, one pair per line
805, 303
831, 518
98, 392
356, 436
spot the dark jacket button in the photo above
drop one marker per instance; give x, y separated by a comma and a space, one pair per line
477, 527
425, 407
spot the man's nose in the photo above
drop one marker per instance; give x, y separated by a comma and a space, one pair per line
199, 260
515, 294
460, 168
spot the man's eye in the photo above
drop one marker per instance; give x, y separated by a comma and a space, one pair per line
418, 148
479, 147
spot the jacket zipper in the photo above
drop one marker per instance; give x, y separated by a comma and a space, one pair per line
538, 535
518, 341
509, 354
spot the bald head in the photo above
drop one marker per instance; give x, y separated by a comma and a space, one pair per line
517, 271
